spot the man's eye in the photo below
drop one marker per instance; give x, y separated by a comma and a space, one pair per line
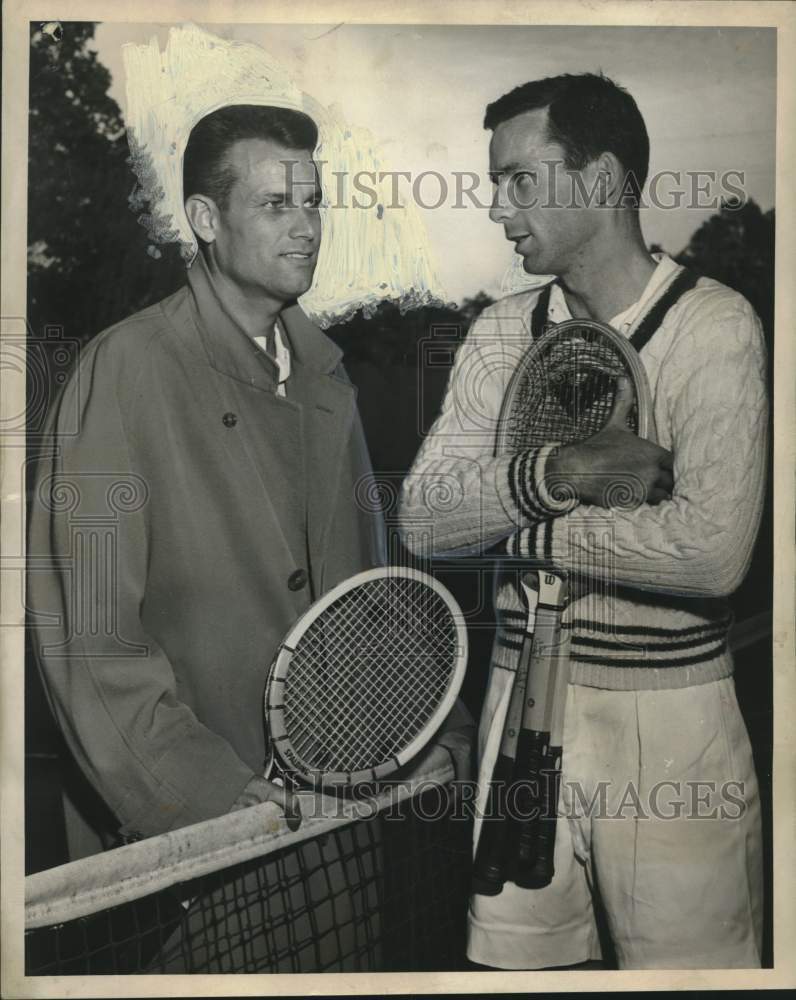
524, 177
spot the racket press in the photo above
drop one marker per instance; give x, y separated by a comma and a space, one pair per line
518, 834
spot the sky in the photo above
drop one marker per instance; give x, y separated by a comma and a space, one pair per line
708, 96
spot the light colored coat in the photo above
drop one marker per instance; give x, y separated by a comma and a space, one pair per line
188, 517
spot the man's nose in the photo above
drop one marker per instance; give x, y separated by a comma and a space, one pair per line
502, 209
305, 224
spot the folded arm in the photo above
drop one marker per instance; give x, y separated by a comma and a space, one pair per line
460, 499
700, 541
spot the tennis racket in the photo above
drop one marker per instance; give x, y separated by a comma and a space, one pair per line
564, 391
565, 386
538, 759
534, 861
492, 854
364, 679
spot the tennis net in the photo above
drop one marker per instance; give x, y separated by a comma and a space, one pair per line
373, 884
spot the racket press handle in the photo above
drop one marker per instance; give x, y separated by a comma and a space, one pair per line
534, 858
526, 800
489, 870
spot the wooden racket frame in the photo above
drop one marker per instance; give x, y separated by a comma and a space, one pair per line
286, 760
641, 386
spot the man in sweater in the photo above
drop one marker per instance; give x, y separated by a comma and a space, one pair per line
655, 750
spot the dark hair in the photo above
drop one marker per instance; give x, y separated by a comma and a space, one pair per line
205, 169
587, 114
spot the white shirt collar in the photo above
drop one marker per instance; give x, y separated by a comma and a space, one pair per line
666, 267
282, 358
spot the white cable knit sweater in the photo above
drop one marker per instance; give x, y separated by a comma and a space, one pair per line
657, 615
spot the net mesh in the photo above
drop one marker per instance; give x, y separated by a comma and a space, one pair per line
564, 390
386, 893
368, 675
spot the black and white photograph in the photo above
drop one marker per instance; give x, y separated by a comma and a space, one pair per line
397, 478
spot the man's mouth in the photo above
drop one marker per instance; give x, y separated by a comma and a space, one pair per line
299, 255
518, 239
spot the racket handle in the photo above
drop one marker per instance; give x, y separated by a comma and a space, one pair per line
531, 746
534, 867
489, 870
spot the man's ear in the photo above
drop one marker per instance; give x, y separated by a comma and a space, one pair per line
610, 175
203, 216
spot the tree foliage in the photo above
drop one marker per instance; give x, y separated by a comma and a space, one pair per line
736, 247
87, 257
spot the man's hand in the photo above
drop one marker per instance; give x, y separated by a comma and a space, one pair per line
259, 790
614, 467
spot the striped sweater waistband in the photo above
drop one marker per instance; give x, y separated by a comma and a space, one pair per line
601, 644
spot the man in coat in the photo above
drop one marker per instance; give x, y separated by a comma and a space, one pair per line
199, 496
209, 493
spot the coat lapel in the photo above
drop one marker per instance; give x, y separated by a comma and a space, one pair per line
328, 405
301, 489
267, 438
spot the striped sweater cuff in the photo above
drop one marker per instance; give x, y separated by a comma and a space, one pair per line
534, 543
527, 474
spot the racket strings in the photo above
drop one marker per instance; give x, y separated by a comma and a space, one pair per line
565, 391
368, 674
321, 740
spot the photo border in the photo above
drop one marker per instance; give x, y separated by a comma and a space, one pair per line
16, 16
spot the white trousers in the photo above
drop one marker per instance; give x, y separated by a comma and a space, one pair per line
659, 807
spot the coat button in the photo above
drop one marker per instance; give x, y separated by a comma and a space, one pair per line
229, 419
297, 579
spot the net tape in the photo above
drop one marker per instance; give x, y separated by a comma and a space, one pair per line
382, 888
127, 873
